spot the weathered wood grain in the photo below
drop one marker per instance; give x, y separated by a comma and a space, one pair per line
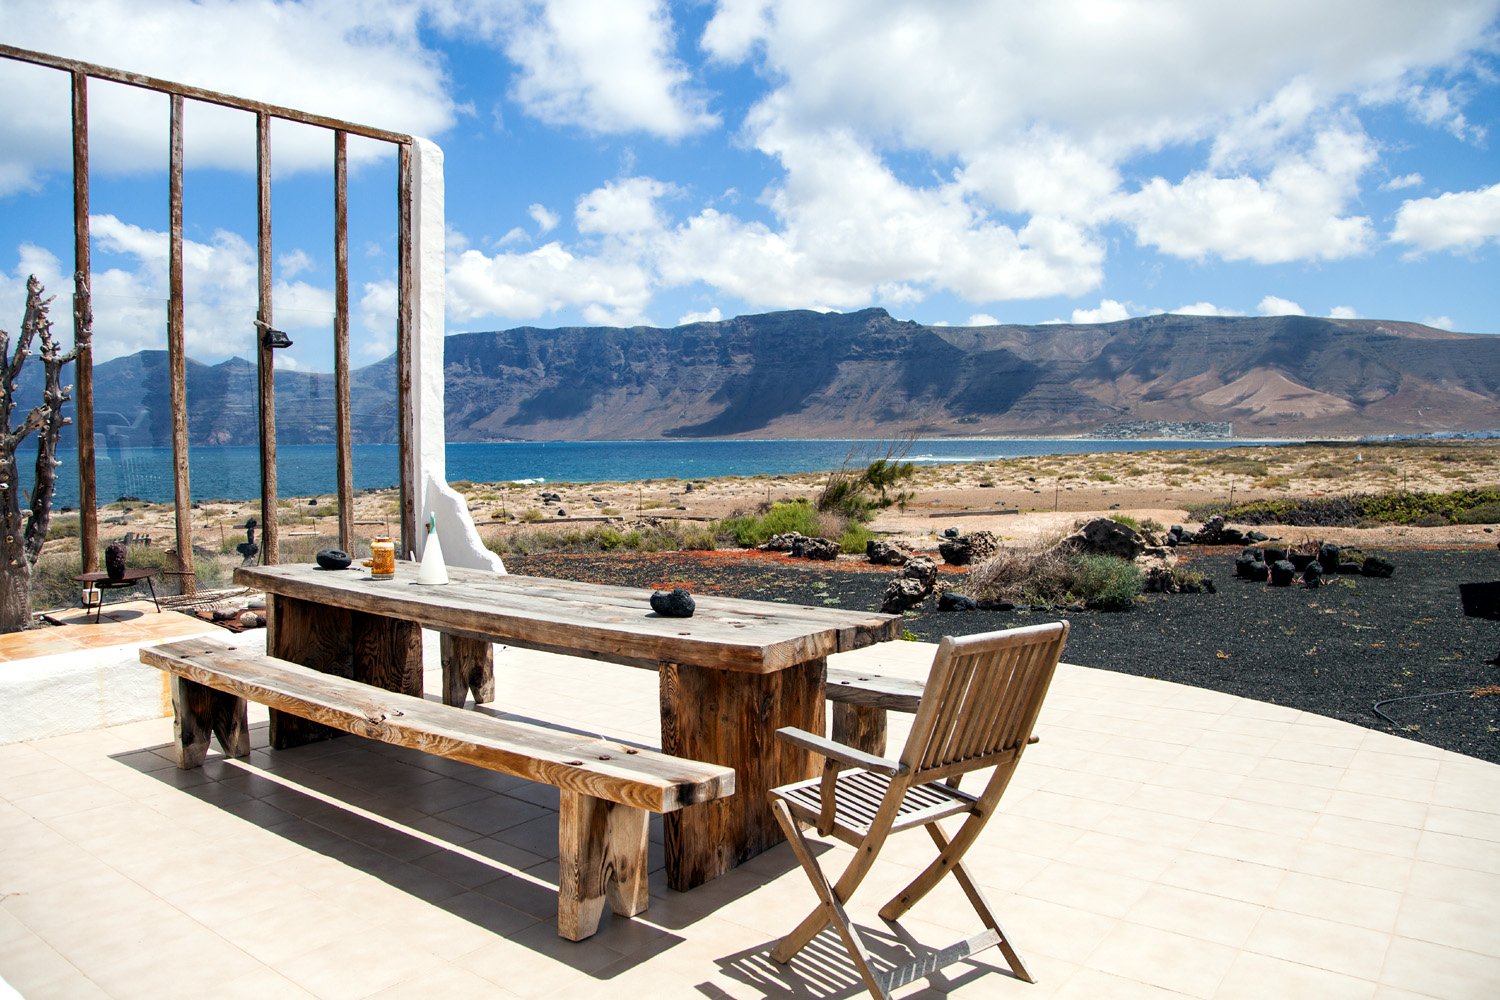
640, 778
860, 726
83, 332
858, 687
177, 359
468, 667
317, 637
387, 653
601, 855
265, 361
199, 712
609, 623
722, 716
406, 348
342, 427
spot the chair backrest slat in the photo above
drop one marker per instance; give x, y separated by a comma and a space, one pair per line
982, 699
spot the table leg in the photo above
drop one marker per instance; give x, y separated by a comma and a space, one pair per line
729, 717
468, 666
387, 652
314, 636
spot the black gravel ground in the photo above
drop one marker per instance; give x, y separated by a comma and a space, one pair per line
1336, 650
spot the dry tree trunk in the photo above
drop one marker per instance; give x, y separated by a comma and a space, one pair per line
22, 537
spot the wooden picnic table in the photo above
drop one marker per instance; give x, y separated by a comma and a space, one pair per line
729, 677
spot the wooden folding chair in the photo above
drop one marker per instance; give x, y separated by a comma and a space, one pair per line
977, 711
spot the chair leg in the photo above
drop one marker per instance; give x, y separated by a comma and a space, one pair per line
830, 911
949, 855
951, 861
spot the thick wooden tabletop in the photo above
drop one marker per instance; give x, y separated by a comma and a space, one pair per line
587, 619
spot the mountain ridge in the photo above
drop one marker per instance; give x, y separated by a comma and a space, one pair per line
866, 373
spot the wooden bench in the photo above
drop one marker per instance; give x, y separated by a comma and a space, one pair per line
607, 789
860, 702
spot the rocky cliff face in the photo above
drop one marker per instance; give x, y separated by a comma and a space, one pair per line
808, 374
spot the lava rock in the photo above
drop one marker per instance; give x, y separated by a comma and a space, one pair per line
1328, 557
887, 553
1302, 560
1251, 552
1257, 536
923, 570
1103, 536
674, 603
825, 549
1282, 572
1258, 571
950, 533
1312, 575
970, 548
1377, 566
1273, 553
334, 559
956, 602
114, 561
902, 594
1232, 536
1349, 567
782, 542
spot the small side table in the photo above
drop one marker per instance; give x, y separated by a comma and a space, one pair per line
132, 576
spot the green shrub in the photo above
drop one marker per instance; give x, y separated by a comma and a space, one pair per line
1359, 509
1106, 582
1237, 465
63, 527
748, 530
1126, 520
855, 538
1485, 513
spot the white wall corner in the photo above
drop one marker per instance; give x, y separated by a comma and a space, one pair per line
456, 529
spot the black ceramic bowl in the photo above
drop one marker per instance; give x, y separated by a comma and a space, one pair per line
334, 559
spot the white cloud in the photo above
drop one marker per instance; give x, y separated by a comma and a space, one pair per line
1295, 213
1439, 108
360, 62
1204, 309
1402, 182
1457, 220
621, 208
545, 280
1109, 311
1342, 312
981, 319
1441, 322
712, 316
377, 319
130, 285
295, 263
1275, 305
606, 67
545, 220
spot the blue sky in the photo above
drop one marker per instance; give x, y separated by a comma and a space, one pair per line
617, 162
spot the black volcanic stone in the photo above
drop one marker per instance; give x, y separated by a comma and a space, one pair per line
1312, 575
333, 559
1328, 557
675, 603
1302, 560
1282, 573
957, 602
1377, 566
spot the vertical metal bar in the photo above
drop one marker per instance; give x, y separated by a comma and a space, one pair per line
83, 333
341, 411
265, 361
405, 349
177, 362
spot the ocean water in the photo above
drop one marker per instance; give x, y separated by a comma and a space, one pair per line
233, 473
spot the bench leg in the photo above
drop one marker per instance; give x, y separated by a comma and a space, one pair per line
601, 853
859, 726
468, 666
199, 712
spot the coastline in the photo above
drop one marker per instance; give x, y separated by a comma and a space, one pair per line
1017, 498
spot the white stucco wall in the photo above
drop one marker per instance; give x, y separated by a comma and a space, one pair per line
456, 530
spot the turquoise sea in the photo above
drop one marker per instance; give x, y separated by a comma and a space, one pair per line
233, 473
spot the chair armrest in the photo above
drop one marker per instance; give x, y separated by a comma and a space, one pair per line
839, 752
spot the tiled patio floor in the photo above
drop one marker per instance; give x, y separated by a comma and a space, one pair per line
119, 624
1159, 841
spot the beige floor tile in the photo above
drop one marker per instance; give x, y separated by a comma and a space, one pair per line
1472, 928
1232, 878
1346, 831
1438, 970
1350, 864
1162, 958
1323, 944
1109, 894
1255, 977
1337, 900
1195, 914
1378, 808
1430, 880
1091, 984
1458, 852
